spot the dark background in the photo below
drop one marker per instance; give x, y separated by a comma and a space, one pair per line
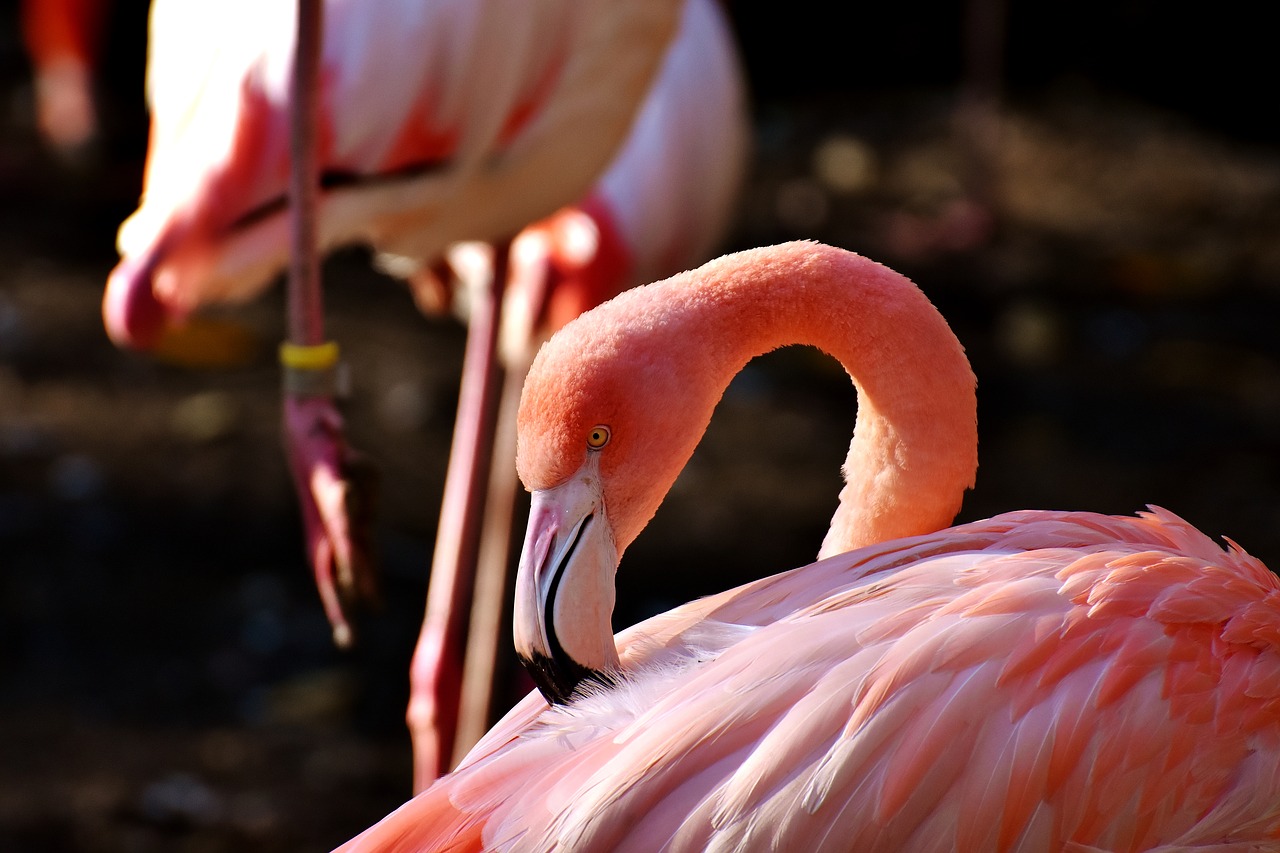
166, 676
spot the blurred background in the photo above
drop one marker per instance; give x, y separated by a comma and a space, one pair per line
1090, 192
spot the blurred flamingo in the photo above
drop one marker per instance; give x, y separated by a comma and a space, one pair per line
62, 41
1034, 681
509, 113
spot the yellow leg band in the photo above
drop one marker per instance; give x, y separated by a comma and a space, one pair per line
302, 357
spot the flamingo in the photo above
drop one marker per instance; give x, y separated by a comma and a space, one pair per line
1033, 681
513, 109
509, 111
61, 38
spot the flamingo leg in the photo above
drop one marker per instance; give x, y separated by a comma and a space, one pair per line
489, 605
435, 673
531, 280
306, 307
327, 473
334, 484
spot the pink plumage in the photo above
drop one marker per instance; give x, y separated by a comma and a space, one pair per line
511, 111
439, 122
1034, 681
966, 690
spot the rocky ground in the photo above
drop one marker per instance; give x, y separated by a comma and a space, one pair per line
166, 676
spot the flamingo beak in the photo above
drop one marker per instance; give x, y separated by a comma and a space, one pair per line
132, 313
564, 587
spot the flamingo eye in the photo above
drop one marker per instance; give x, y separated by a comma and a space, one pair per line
598, 437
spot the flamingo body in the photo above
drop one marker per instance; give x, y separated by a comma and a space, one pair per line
1035, 681
439, 121
664, 202
512, 111
1029, 682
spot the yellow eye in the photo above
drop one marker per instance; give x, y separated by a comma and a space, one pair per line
598, 437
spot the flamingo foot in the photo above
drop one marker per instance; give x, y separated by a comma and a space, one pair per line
335, 485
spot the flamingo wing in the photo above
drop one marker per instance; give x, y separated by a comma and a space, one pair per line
1117, 680
672, 186
662, 205
440, 121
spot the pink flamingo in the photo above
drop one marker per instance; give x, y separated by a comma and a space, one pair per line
510, 113
1034, 681
507, 115
61, 38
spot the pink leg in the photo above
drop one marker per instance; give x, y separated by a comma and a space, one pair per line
334, 484
306, 299
490, 608
437, 661
326, 471
489, 611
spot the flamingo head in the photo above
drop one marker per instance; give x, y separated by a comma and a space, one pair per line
610, 414
135, 317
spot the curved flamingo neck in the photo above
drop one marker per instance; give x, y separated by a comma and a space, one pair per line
666, 352
914, 449
649, 367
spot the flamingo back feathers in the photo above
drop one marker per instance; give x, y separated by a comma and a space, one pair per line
476, 128
1119, 688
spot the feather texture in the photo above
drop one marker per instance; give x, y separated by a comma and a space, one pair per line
511, 111
1097, 681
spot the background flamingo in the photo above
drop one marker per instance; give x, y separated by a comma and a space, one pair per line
221, 241
455, 153
61, 37
1037, 680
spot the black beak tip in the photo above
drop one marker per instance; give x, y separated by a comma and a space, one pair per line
560, 678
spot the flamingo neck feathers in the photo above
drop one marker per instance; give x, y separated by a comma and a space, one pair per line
654, 362
914, 448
